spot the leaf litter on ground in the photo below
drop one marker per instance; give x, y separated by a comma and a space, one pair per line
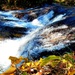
51, 65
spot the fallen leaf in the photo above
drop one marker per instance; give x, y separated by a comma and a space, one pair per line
9, 71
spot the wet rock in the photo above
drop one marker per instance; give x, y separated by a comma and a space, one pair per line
57, 39
12, 32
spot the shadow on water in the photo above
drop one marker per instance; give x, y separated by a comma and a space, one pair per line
60, 52
70, 21
12, 32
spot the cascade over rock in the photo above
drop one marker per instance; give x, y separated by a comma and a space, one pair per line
36, 32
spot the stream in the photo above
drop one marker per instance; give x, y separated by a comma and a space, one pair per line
36, 32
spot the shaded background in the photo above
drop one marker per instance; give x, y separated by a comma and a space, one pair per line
32, 3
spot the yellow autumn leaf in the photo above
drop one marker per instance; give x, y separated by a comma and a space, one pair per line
7, 74
28, 64
10, 71
64, 61
15, 60
71, 73
60, 0
69, 65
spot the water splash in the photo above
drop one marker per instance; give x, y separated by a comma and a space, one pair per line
13, 48
33, 43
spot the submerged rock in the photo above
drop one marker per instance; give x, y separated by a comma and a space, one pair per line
53, 39
12, 32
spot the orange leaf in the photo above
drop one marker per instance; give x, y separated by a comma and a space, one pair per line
10, 71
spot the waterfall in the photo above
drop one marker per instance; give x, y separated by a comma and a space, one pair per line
33, 43
15, 47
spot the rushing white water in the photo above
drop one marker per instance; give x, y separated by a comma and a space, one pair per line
27, 45
45, 42
15, 47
